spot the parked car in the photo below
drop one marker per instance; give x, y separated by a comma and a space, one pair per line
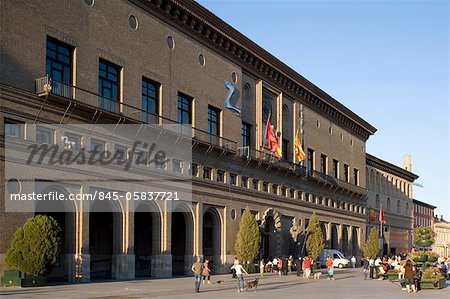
339, 259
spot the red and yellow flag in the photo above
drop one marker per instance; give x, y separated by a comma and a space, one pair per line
298, 151
372, 216
272, 142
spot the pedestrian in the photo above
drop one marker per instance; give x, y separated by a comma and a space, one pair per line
261, 267
330, 268
280, 265
197, 268
409, 272
299, 265
275, 264
371, 266
353, 260
306, 267
206, 272
240, 278
269, 266
366, 267
234, 271
285, 266
290, 263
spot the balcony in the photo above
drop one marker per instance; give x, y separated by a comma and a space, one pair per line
122, 112
330, 181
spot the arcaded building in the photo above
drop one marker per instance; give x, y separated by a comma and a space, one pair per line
390, 189
167, 61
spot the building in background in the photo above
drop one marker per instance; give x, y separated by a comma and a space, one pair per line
390, 188
423, 214
441, 236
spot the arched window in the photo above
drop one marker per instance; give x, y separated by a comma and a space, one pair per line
377, 201
398, 206
388, 208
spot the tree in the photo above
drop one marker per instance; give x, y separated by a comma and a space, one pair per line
248, 238
314, 241
423, 237
370, 249
35, 246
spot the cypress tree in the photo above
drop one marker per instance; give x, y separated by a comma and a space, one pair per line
248, 238
314, 242
370, 249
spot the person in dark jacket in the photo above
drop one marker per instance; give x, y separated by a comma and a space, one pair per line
299, 265
366, 267
285, 266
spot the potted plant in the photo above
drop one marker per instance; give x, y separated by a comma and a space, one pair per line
432, 257
419, 257
33, 252
432, 278
392, 274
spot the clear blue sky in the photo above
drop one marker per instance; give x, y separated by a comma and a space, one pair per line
388, 61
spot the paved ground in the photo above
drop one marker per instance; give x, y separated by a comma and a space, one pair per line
348, 284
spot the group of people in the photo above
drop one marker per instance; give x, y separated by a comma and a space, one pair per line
277, 265
201, 270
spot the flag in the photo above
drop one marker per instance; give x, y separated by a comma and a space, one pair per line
272, 140
372, 216
298, 151
382, 219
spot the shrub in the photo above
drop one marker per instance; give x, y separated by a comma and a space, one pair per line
432, 274
314, 241
35, 246
423, 236
370, 249
248, 238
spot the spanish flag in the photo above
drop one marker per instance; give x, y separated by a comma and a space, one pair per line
272, 142
298, 151
372, 216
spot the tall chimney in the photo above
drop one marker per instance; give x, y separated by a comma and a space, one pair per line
407, 162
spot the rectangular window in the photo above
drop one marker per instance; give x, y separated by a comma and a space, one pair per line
44, 136
72, 142
275, 189
213, 125
346, 173
207, 173
150, 101
336, 168
245, 138
59, 66
232, 179
13, 128
244, 182
184, 110
98, 147
108, 86
285, 150
323, 163
356, 176
176, 166
265, 187
194, 169
121, 152
283, 191
220, 176
310, 162
255, 184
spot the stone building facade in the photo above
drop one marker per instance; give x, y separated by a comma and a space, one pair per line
441, 236
390, 188
423, 214
98, 56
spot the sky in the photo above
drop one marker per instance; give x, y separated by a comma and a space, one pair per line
388, 61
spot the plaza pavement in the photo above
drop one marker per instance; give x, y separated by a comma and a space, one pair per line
349, 283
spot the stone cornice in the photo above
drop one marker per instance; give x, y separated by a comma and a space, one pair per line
390, 168
200, 24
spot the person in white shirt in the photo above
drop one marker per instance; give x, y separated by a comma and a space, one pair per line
240, 278
275, 264
371, 267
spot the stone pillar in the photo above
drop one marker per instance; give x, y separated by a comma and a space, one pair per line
328, 234
85, 257
339, 236
125, 259
350, 240
162, 261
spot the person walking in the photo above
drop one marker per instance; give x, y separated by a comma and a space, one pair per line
409, 272
330, 268
261, 267
306, 267
206, 273
240, 277
234, 271
197, 268
299, 265
353, 260
285, 266
371, 266
366, 267
275, 264
290, 264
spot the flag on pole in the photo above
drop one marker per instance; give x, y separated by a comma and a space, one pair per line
272, 142
372, 216
298, 151
382, 219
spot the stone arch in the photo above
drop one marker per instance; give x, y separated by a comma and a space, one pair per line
334, 242
355, 241
182, 238
323, 228
345, 241
64, 212
212, 237
270, 228
147, 238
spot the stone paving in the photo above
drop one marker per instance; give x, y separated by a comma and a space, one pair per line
348, 284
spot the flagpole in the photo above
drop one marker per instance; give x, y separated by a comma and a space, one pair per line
381, 243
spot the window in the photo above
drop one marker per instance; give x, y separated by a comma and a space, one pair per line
213, 125
245, 138
194, 169
97, 147
72, 142
310, 157
108, 86
44, 136
150, 101
356, 176
255, 184
336, 168
283, 191
346, 173
58, 66
232, 179
275, 189
220, 176
398, 206
244, 182
377, 201
207, 173
120, 152
176, 166
285, 150
13, 128
388, 208
292, 193
323, 163
265, 187
184, 112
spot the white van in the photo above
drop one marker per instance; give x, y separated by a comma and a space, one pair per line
339, 259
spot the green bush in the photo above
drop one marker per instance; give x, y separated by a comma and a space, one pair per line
35, 246
248, 238
370, 249
314, 241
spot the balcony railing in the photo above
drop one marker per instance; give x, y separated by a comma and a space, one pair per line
324, 178
46, 85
